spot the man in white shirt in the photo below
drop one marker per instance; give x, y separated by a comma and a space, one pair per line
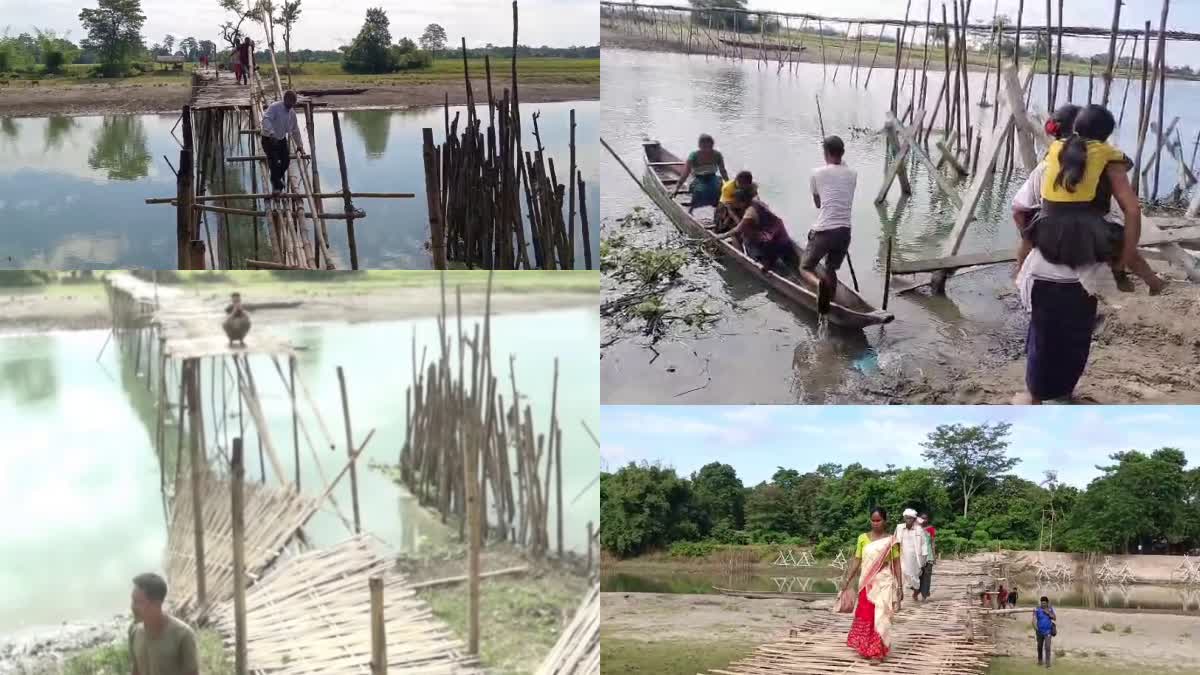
913, 552
279, 121
829, 238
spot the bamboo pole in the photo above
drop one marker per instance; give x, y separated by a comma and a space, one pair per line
337, 138
379, 663
1142, 121
946, 71
350, 449
185, 193
583, 223
316, 186
870, 68
1058, 56
1162, 84
433, 183
473, 529
237, 518
1128, 79
295, 417
1112, 52
1049, 47
191, 376
571, 197
896, 72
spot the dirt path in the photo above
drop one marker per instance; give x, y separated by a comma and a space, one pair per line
37, 312
1155, 642
1146, 350
131, 98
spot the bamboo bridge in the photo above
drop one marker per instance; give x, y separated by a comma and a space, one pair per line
947, 635
238, 558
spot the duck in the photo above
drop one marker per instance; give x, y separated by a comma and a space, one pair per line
237, 321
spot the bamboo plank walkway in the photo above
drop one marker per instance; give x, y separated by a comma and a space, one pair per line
943, 637
577, 651
309, 615
190, 327
273, 515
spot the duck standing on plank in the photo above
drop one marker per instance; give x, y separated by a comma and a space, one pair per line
237, 321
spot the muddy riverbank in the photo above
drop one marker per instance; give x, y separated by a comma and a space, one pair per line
109, 99
45, 648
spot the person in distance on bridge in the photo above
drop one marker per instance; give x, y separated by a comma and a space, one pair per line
237, 321
279, 122
159, 644
911, 538
930, 554
245, 50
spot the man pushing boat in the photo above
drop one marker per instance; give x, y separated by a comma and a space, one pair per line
829, 238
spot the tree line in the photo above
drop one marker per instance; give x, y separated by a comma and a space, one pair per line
1151, 499
116, 46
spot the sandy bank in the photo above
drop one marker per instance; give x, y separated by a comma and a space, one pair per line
36, 312
657, 617
107, 99
43, 649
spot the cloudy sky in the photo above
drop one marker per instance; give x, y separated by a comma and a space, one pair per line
756, 439
327, 24
1184, 16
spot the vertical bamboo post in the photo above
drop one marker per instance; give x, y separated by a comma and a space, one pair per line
337, 138
966, 81
946, 72
473, 543
1128, 79
350, 448
196, 419
1058, 55
896, 73
583, 223
295, 418
1162, 87
590, 527
1137, 161
379, 663
1091, 79
887, 272
1112, 52
1070, 87
874, 56
184, 192
571, 198
1017, 38
1049, 79
557, 431
237, 519
437, 234
318, 219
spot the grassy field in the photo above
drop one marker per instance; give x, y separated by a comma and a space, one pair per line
113, 659
544, 70
672, 657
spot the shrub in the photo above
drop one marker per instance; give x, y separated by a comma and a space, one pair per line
692, 549
54, 61
1127, 630
1108, 627
6, 59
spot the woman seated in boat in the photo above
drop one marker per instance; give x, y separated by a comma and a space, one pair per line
703, 165
728, 215
1073, 245
1028, 200
762, 233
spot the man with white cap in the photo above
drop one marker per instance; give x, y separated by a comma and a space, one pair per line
912, 551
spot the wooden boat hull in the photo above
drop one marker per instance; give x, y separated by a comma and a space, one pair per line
774, 595
848, 309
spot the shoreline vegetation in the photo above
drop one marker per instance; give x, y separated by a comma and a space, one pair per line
36, 301
542, 80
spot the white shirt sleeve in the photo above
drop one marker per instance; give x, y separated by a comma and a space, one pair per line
268, 126
1029, 197
297, 139
812, 182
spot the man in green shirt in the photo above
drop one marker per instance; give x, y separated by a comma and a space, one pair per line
159, 644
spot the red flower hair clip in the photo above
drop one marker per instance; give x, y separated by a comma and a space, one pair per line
1053, 127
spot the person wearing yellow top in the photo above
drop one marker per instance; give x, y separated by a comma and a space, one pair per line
727, 214
877, 563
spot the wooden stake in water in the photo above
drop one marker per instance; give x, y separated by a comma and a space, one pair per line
820, 119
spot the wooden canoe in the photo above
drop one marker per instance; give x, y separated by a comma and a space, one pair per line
848, 308
767, 595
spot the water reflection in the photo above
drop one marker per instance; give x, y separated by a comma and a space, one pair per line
120, 148
33, 377
373, 126
56, 131
8, 126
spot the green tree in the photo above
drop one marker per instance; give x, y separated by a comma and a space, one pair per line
289, 14
970, 456
115, 28
207, 48
644, 507
190, 48
719, 497
433, 39
370, 52
168, 43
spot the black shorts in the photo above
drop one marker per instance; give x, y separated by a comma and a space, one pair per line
830, 245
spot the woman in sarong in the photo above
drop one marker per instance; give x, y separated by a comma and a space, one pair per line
704, 165
877, 563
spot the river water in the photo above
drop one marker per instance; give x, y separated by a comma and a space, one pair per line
79, 479
766, 121
72, 189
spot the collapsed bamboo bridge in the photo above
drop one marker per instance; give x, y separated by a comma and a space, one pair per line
962, 142
947, 634
238, 557
474, 183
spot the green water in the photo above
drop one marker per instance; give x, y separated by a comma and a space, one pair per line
73, 189
79, 479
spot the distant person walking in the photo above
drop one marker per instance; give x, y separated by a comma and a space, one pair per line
879, 594
278, 123
245, 50
911, 538
235, 62
1044, 626
159, 644
930, 554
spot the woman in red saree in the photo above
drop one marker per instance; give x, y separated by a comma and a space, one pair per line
877, 560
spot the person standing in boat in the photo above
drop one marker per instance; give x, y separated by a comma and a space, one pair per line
829, 238
704, 165
1073, 245
762, 233
728, 215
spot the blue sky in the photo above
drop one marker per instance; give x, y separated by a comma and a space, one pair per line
1184, 15
757, 439
327, 24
